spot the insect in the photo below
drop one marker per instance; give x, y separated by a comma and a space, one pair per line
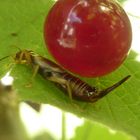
71, 85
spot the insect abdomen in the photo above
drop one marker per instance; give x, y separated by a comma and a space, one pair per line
79, 89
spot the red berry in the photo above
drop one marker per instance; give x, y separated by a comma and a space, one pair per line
88, 37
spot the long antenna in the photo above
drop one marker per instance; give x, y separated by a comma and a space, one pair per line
4, 57
16, 47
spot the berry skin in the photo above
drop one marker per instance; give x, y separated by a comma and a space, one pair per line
88, 37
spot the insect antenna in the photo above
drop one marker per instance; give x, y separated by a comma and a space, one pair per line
16, 47
109, 89
10, 55
5, 57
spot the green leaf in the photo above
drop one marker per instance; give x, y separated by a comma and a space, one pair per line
91, 131
21, 25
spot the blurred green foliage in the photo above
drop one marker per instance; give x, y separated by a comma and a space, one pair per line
94, 131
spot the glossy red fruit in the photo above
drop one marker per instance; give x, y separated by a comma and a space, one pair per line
88, 37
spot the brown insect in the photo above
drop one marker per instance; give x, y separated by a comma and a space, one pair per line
71, 85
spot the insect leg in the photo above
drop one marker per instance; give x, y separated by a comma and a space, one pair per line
20, 58
62, 82
35, 71
69, 90
28, 57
